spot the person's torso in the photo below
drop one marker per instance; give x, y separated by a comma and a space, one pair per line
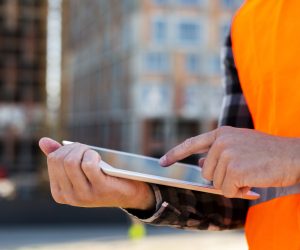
266, 47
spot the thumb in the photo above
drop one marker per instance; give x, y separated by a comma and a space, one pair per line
48, 145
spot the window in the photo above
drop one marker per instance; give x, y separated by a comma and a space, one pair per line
191, 101
126, 36
231, 4
154, 99
190, 2
186, 129
214, 65
156, 62
160, 31
161, 2
189, 32
224, 30
116, 97
157, 130
128, 6
192, 63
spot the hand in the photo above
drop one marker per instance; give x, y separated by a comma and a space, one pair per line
239, 159
77, 180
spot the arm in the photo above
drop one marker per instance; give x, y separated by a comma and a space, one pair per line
196, 210
241, 158
76, 179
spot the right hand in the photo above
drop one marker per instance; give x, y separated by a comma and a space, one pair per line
76, 179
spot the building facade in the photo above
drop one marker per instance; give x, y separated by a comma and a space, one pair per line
142, 75
22, 85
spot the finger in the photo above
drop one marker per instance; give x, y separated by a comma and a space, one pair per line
229, 188
248, 194
211, 162
90, 167
198, 144
72, 166
201, 162
56, 168
243, 192
54, 186
48, 145
219, 173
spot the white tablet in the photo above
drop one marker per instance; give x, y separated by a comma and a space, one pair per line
147, 169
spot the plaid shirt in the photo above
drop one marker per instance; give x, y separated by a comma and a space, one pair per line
197, 210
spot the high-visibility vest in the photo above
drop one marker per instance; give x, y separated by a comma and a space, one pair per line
266, 47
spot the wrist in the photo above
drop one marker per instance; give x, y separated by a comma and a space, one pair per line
144, 198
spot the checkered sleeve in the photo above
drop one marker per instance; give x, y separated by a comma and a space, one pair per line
234, 110
197, 210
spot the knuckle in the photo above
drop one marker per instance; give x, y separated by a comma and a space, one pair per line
170, 154
88, 165
221, 143
227, 155
217, 184
82, 146
91, 152
57, 197
69, 162
83, 197
224, 130
189, 142
70, 199
206, 174
62, 197
234, 170
231, 168
52, 158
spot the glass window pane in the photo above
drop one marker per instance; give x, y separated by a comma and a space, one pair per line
189, 32
192, 63
156, 62
160, 31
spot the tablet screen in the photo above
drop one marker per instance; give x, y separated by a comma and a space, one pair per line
151, 166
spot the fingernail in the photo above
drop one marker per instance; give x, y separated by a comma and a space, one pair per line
251, 193
163, 161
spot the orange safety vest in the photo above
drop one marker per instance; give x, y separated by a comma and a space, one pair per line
266, 47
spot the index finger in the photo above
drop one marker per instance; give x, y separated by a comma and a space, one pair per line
194, 145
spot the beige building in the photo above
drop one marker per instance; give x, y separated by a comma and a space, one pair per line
142, 75
22, 84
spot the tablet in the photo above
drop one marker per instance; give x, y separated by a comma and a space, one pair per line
147, 169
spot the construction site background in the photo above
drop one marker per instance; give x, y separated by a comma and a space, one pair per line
134, 75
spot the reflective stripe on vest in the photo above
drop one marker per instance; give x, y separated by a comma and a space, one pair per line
266, 47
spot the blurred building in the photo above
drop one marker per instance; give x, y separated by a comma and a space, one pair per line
22, 85
142, 75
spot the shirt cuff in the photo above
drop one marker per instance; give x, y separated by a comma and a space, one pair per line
151, 215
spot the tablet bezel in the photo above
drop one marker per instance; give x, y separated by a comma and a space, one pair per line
121, 173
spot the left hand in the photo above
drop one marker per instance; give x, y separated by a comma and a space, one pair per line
239, 159
77, 180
